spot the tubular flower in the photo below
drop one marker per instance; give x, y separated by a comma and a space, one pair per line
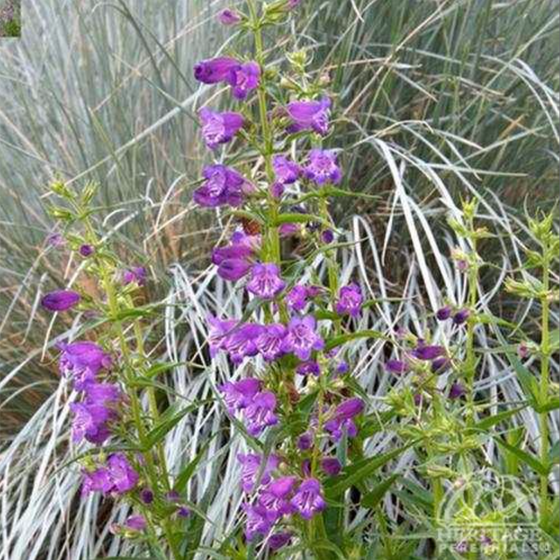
219, 128
82, 361
229, 17
308, 115
265, 281
240, 394
117, 477
135, 275
269, 342
253, 473
308, 499
396, 366
286, 170
350, 301
259, 414
215, 70
242, 342
323, 167
60, 300
244, 79
275, 497
258, 522
302, 337
222, 186
342, 420
428, 352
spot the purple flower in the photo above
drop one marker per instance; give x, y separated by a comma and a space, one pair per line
288, 229
305, 441
286, 170
265, 280
312, 115
260, 413
136, 523
123, 476
457, 391
331, 466
461, 316
350, 300
82, 361
147, 496
278, 540
240, 394
327, 236
97, 480
275, 497
183, 511
444, 313
311, 367
396, 366
106, 394
296, 298
244, 78
308, 499
223, 186
215, 70
302, 338
219, 128
242, 342
60, 300
439, 365
428, 352
229, 17
342, 367
342, 420
258, 522
217, 335
135, 275
242, 247
269, 342
233, 269
55, 239
322, 167
252, 467
86, 250
90, 422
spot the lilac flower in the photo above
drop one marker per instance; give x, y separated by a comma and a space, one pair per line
331, 466
223, 186
217, 335
240, 394
286, 170
265, 281
302, 337
55, 239
86, 250
312, 115
288, 229
97, 480
258, 522
147, 496
278, 540
293, 4
309, 499
350, 300
428, 352
251, 469
135, 275
396, 366
461, 316
322, 167
242, 342
311, 367
60, 300
444, 313
305, 441
457, 391
229, 17
219, 128
233, 269
82, 361
106, 394
275, 497
216, 70
269, 342
242, 247
342, 367
123, 476
90, 422
523, 350
136, 523
296, 298
244, 78
342, 420
259, 414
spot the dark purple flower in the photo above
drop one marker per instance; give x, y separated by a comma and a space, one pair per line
439, 365
173, 496
269, 342
462, 547
183, 511
234, 269
327, 236
147, 496
97, 480
461, 316
331, 466
310, 367
136, 523
60, 300
350, 300
229, 17
222, 186
286, 170
309, 499
278, 540
135, 275
242, 342
418, 399
252, 467
217, 333
275, 497
305, 441
90, 422
296, 298
123, 476
342, 367
322, 167
82, 361
457, 391
259, 414
219, 128
215, 70
86, 250
241, 247
396, 366
239, 395
444, 313
244, 78
342, 419
312, 115
258, 522
265, 281
428, 352
302, 337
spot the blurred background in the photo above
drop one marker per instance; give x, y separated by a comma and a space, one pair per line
459, 95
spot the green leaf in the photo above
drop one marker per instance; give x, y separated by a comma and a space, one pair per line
342, 339
526, 458
296, 218
483, 425
376, 422
161, 368
185, 475
371, 499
